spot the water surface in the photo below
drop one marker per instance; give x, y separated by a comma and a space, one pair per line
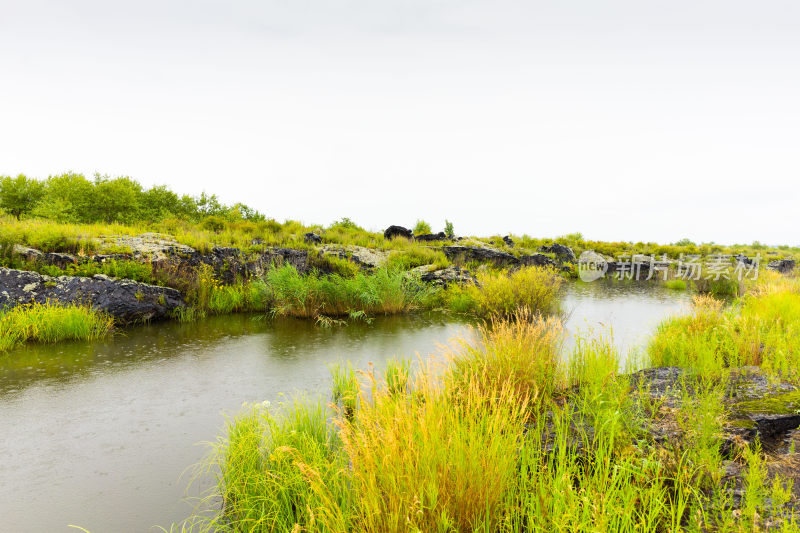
98, 434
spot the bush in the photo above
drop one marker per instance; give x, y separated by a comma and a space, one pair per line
421, 228
213, 223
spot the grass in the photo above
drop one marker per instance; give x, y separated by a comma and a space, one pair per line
312, 296
762, 329
510, 432
50, 323
502, 294
525, 350
676, 284
133, 270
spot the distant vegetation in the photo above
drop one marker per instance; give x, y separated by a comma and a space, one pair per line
73, 198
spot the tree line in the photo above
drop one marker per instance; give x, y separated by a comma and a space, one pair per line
71, 197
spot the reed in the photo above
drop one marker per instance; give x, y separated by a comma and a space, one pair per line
50, 323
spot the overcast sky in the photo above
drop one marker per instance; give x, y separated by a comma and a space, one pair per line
624, 120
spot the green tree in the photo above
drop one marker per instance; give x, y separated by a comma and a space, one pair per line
116, 200
68, 197
158, 203
448, 229
422, 227
209, 205
20, 195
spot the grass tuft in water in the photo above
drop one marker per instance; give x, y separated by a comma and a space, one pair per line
50, 323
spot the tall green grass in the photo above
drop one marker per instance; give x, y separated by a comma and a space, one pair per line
265, 464
512, 434
757, 330
314, 295
50, 323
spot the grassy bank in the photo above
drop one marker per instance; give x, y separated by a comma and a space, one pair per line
509, 433
761, 329
49, 323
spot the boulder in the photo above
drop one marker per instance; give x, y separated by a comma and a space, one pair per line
367, 258
445, 276
60, 260
312, 238
482, 255
431, 237
125, 300
508, 241
28, 254
398, 231
562, 253
781, 265
540, 260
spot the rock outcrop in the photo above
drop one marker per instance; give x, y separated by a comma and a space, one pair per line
508, 241
563, 253
127, 301
445, 276
427, 237
782, 265
461, 254
537, 260
229, 264
367, 258
312, 238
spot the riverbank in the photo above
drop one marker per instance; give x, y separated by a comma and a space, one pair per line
183, 258
139, 277
566, 443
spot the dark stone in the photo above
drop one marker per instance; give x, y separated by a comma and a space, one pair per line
508, 241
782, 265
562, 253
431, 237
451, 274
312, 238
59, 260
125, 300
483, 255
397, 231
232, 264
537, 260
741, 258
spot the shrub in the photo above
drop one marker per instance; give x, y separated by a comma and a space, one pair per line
448, 229
213, 223
421, 228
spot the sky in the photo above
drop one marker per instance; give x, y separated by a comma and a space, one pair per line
636, 120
